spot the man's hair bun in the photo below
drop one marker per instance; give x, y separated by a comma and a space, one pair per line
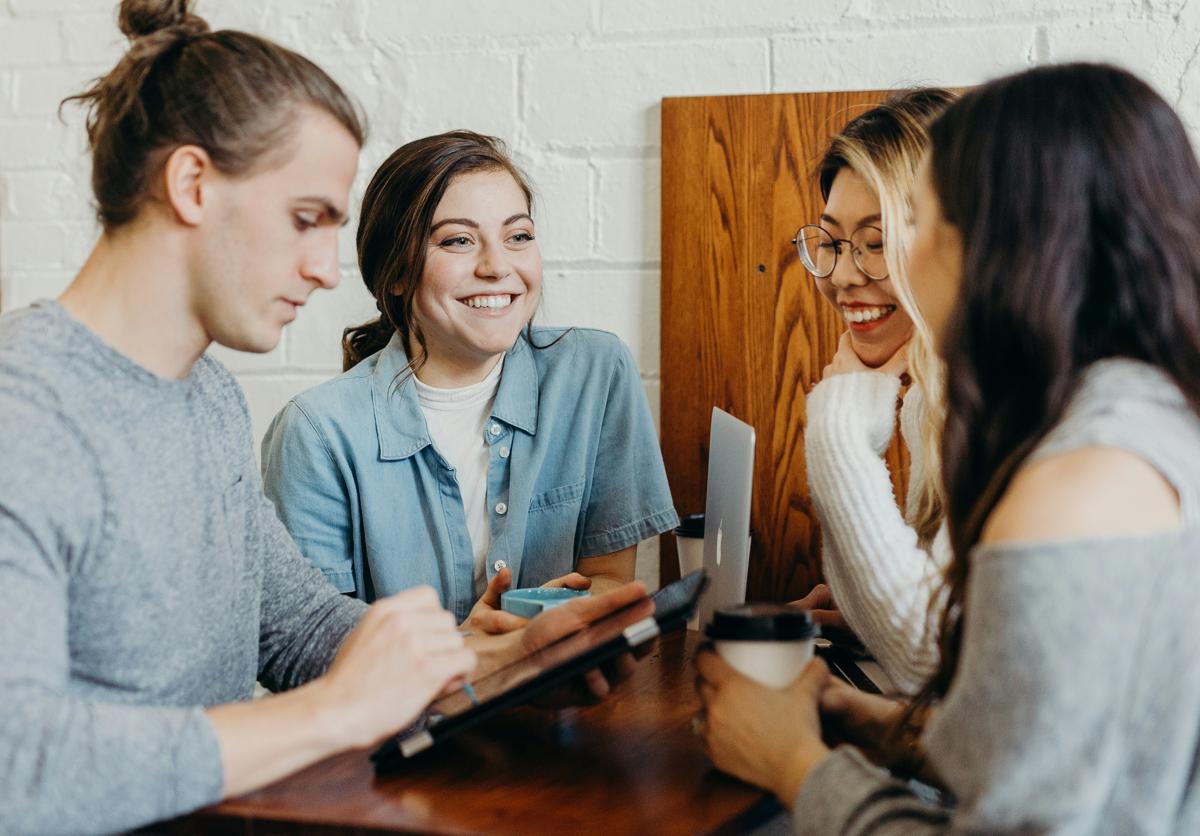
139, 18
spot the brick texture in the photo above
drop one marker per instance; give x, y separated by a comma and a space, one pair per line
573, 87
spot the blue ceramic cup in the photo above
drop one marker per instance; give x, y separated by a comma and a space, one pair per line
528, 603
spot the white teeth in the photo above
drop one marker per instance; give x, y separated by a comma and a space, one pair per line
867, 314
489, 301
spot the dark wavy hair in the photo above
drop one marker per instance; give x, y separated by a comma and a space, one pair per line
397, 213
1077, 195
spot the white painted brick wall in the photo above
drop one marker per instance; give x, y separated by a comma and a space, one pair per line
572, 85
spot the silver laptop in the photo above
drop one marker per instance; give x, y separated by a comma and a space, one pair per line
727, 513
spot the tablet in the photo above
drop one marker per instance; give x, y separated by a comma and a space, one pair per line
528, 677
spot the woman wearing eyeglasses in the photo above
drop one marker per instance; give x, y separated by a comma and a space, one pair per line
1058, 263
881, 564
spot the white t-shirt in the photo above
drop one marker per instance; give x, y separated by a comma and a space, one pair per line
456, 419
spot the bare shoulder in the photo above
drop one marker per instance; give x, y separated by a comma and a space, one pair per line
1091, 492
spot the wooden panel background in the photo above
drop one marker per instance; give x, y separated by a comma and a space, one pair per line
743, 324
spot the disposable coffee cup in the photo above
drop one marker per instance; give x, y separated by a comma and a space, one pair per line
689, 543
770, 643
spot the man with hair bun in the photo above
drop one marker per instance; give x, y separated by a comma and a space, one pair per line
145, 581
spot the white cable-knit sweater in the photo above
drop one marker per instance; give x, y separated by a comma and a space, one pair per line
882, 580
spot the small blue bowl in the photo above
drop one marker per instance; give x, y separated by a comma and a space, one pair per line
528, 603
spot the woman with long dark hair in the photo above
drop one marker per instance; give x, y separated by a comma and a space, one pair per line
1057, 260
464, 448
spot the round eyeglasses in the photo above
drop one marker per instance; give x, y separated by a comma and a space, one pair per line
819, 251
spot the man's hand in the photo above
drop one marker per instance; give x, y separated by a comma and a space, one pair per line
404, 652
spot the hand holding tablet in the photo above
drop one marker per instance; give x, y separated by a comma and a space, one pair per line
557, 646
554, 625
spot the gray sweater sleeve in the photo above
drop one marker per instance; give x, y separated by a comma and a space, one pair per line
304, 617
64, 759
1031, 737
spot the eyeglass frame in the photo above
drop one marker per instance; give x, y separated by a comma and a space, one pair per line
853, 251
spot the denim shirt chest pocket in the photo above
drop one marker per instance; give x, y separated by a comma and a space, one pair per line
553, 529
564, 495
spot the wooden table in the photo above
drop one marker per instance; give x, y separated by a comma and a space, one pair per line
627, 765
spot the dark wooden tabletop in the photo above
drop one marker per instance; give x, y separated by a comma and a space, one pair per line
628, 765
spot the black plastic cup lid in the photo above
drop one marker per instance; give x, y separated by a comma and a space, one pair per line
761, 623
690, 526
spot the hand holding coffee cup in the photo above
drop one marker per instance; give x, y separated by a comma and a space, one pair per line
770, 643
756, 724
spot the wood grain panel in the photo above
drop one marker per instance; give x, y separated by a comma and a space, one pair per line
743, 324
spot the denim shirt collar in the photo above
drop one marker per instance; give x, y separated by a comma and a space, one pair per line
399, 422
517, 398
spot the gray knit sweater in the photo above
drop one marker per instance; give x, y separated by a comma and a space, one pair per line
142, 576
1076, 707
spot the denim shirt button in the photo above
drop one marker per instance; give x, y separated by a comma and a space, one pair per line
499, 566
494, 429
504, 452
501, 508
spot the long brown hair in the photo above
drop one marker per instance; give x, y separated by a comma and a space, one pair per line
228, 92
397, 213
884, 147
1077, 195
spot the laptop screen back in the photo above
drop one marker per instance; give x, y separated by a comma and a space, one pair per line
727, 512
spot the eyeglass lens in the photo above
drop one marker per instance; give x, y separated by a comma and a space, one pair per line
819, 250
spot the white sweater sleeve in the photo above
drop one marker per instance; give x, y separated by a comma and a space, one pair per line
880, 577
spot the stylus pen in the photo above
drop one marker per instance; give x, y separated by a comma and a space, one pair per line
470, 692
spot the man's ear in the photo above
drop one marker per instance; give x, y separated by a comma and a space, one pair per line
187, 173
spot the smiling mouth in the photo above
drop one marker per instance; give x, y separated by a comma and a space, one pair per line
496, 301
860, 314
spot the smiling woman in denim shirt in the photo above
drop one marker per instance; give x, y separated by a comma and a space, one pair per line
464, 448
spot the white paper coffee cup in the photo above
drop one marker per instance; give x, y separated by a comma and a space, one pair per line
689, 543
770, 643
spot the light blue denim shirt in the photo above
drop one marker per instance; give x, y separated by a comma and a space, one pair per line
575, 471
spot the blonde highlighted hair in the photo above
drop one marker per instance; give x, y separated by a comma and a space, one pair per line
884, 147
